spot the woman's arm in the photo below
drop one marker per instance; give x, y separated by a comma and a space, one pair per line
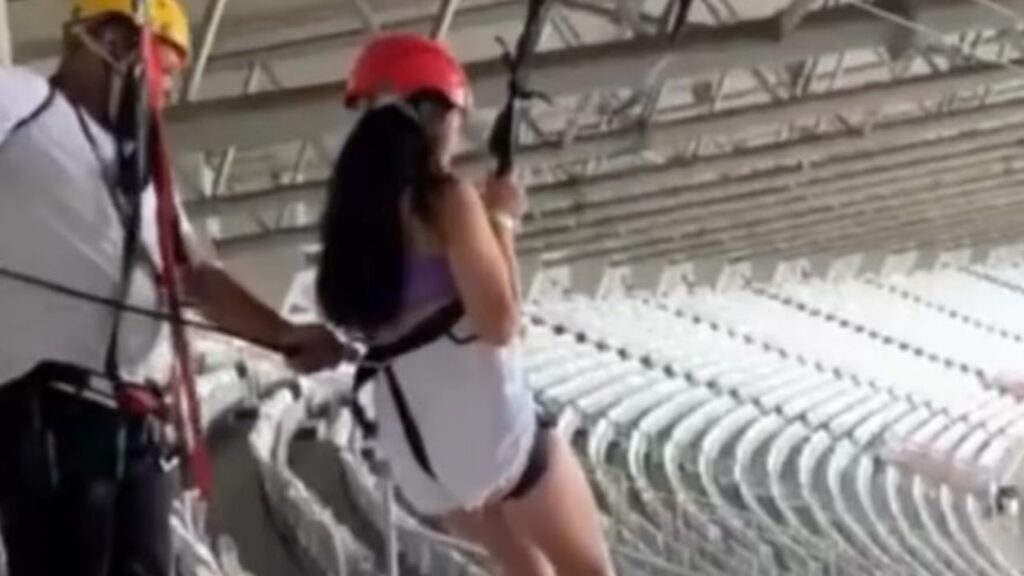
483, 263
505, 228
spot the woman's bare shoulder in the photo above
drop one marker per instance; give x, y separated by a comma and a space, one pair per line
461, 188
451, 197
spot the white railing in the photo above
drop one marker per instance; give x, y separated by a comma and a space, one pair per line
419, 546
326, 546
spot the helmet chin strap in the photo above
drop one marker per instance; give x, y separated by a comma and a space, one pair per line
118, 83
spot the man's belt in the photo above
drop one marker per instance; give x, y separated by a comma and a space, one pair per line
130, 398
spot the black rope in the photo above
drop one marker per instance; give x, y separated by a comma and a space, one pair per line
681, 18
114, 304
504, 133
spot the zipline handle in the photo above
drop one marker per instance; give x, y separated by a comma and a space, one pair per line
504, 134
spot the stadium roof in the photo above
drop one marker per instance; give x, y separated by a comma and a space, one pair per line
730, 129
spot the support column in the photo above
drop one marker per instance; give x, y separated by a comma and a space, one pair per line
549, 283
616, 282
788, 271
6, 43
842, 268
734, 276
675, 277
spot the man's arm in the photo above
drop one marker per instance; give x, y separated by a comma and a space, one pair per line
227, 303
221, 298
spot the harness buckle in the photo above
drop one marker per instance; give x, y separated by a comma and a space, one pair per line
140, 400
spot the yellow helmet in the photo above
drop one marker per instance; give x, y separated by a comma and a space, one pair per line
168, 17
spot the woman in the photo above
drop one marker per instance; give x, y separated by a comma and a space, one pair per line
422, 265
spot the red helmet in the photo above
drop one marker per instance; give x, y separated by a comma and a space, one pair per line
402, 64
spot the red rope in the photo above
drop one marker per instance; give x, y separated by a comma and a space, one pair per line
185, 400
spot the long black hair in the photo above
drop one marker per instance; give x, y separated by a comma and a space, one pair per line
387, 156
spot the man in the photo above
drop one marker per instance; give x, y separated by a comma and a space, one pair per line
83, 488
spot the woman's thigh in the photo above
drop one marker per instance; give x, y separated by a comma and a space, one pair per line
512, 554
560, 516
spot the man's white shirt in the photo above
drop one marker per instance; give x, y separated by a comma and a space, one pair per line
58, 221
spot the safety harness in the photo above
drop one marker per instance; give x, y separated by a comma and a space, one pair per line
142, 159
378, 359
38, 111
184, 395
134, 399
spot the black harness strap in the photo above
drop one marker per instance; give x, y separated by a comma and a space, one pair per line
408, 422
504, 133
53, 371
378, 359
32, 116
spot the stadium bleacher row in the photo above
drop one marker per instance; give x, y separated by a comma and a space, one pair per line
865, 427
786, 429
773, 430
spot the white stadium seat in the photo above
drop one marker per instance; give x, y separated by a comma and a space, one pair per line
820, 428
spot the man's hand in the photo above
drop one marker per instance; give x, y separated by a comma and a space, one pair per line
311, 348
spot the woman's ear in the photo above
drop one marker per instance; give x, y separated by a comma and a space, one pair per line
431, 119
427, 115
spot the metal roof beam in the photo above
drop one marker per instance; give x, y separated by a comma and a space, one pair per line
850, 212
302, 112
989, 203
981, 226
445, 15
871, 214
211, 28
621, 188
971, 223
793, 15
952, 235
865, 213
227, 162
720, 207
975, 146
264, 30
620, 197
351, 33
367, 15
999, 231
642, 24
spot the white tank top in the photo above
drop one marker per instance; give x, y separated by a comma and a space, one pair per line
472, 407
